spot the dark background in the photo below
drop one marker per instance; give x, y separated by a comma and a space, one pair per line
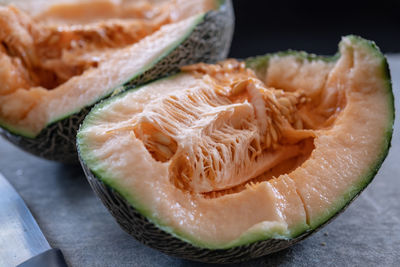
315, 26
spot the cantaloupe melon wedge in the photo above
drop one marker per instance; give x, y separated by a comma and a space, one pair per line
60, 59
224, 163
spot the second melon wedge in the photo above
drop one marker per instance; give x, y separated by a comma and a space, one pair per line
60, 58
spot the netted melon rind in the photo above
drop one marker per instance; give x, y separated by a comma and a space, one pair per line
55, 142
150, 235
138, 226
209, 42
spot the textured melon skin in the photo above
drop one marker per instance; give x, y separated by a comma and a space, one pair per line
208, 42
137, 225
148, 234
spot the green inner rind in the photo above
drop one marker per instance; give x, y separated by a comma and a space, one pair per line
298, 230
257, 64
24, 132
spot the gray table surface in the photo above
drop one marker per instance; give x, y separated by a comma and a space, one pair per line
74, 219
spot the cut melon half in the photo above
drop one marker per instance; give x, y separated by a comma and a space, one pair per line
228, 162
59, 60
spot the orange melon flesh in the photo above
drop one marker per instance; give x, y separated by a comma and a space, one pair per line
293, 195
95, 53
358, 134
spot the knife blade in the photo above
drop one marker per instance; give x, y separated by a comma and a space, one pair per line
21, 240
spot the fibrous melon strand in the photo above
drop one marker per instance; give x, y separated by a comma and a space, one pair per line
48, 54
305, 147
225, 134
